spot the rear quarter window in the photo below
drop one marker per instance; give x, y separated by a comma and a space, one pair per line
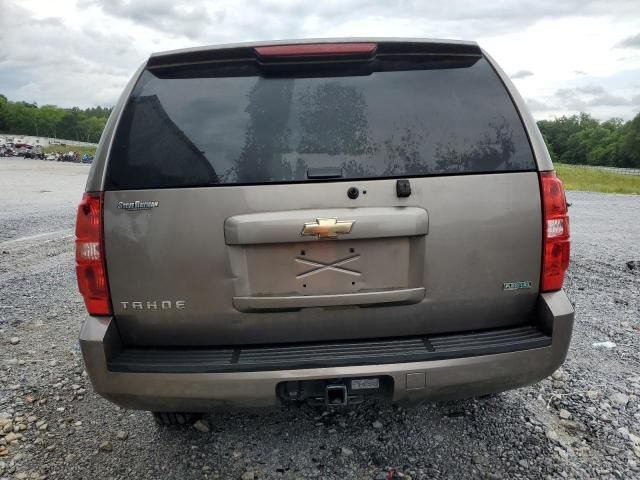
215, 130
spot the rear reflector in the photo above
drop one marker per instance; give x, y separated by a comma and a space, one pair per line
556, 244
90, 266
317, 49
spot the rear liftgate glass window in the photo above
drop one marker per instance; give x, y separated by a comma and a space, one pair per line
196, 129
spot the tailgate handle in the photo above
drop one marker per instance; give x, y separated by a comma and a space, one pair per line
296, 302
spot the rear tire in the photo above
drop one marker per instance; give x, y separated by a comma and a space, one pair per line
177, 419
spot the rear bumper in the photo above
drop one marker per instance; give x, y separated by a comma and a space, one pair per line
433, 379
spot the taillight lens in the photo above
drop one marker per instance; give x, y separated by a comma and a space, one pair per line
556, 244
90, 265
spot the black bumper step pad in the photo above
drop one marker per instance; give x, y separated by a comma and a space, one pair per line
327, 354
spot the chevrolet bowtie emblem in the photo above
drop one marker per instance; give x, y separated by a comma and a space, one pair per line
327, 227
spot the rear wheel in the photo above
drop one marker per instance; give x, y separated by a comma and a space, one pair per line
180, 419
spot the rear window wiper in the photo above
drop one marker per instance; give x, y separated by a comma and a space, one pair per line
324, 172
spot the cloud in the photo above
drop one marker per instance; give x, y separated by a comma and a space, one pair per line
163, 15
584, 98
521, 74
609, 100
591, 89
538, 106
82, 52
48, 62
630, 42
271, 19
565, 93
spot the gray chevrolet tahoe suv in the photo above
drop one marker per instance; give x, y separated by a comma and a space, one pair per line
320, 221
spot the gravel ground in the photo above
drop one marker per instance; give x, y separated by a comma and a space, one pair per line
584, 422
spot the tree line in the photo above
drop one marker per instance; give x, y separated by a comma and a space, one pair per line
23, 118
577, 139
583, 140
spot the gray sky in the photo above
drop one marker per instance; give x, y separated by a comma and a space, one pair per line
565, 56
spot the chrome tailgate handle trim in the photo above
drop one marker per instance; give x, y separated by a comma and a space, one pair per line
294, 302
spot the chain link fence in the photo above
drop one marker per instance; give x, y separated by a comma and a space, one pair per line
617, 170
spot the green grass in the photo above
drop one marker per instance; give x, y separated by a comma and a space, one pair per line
590, 180
70, 148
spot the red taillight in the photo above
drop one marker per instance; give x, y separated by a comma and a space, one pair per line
556, 245
317, 49
90, 266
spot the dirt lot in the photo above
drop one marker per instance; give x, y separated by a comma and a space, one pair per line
582, 423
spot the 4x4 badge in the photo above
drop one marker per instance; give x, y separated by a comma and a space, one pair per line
327, 227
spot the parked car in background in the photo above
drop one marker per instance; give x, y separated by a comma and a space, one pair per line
320, 221
6, 151
69, 157
33, 152
23, 150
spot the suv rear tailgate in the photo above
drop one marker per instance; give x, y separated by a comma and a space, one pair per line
484, 231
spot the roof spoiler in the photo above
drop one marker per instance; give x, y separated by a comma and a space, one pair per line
249, 52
